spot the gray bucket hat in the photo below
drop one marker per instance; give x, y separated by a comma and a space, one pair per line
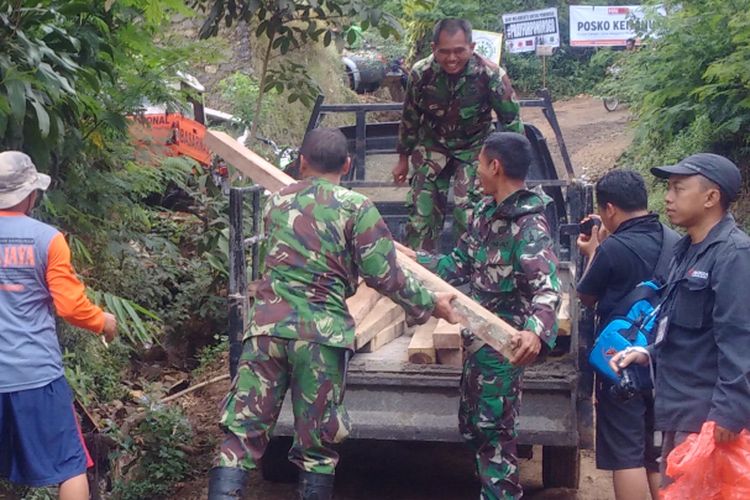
18, 178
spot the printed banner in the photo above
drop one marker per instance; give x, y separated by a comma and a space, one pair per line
525, 30
488, 44
606, 26
170, 134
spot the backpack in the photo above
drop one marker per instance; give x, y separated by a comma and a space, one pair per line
633, 320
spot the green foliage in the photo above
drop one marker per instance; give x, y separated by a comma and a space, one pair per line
44, 58
93, 371
288, 25
209, 355
690, 87
390, 48
26, 493
70, 69
155, 460
241, 91
569, 72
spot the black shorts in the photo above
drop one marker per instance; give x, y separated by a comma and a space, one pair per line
624, 430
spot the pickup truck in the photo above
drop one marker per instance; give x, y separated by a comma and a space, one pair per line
389, 398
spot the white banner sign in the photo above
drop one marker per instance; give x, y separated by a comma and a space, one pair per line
525, 30
488, 44
612, 26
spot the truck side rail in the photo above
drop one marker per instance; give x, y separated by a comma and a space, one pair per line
361, 145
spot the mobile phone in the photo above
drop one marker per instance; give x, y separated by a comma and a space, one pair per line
588, 226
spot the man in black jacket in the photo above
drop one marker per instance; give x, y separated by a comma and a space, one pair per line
617, 263
702, 346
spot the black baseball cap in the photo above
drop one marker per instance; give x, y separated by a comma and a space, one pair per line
715, 168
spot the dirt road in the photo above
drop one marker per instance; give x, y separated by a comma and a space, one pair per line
419, 471
594, 136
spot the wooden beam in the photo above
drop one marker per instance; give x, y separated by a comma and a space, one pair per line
446, 336
246, 161
564, 322
485, 325
450, 357
362, 302
386, 335
421, 349
383, 314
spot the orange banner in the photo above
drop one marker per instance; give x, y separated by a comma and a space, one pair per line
181, 135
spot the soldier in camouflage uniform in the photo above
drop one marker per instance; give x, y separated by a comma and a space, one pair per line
506, 256
447, 114
320, 239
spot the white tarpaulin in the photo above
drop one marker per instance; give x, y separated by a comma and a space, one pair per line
525, 30
605, 26
488, 44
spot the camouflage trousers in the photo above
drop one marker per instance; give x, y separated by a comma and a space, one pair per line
490, 401
428, 197
268, 366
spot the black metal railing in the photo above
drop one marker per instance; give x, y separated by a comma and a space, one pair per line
238, 245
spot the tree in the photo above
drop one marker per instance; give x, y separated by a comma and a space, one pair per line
689, 87
288, 25
71, 69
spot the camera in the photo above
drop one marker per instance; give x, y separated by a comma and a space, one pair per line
633, 380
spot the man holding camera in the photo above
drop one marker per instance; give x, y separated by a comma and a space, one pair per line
702, 346
622, 251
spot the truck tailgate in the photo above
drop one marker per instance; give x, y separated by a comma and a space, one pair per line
389, 398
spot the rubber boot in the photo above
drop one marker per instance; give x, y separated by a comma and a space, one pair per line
226, 483
313, 486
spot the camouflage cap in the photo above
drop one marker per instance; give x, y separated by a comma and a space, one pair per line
18, 178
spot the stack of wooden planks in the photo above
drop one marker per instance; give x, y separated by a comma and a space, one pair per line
379, 321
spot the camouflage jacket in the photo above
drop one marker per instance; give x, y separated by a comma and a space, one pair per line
507, 257
320, 237
453, 114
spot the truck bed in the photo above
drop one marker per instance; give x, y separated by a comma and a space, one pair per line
390, 398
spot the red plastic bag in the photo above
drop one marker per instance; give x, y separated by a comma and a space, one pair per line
702, 469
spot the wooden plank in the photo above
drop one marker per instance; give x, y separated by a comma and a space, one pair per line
450, 357
383, 314
564, 323
495, 332
446, 336
485, 325
421, 348
246, 161
362, 302
385, 336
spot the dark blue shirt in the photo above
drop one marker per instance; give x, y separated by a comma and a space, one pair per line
622, 261
703, 363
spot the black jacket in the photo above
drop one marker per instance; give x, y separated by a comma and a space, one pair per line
703, 362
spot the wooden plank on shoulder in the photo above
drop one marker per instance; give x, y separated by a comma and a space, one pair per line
385, 336
421, 347
447, 336
383, 313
